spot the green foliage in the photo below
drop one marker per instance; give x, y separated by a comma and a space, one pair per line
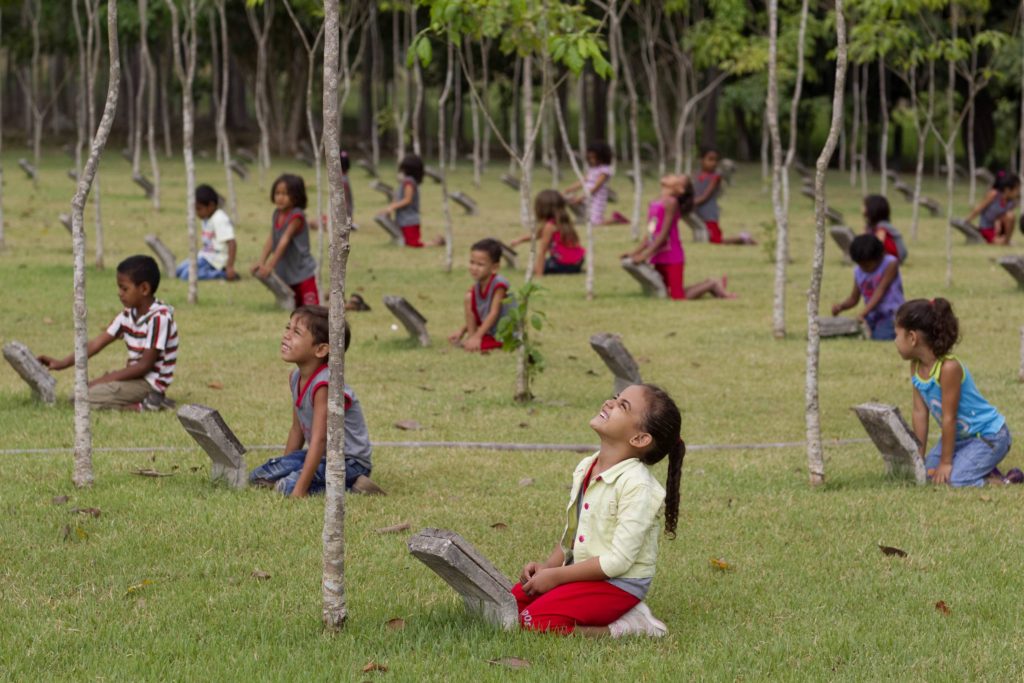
514, 330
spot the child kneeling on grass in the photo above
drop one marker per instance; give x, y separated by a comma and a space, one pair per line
597, 576
301, 471
876, 278
147, 326
485, 302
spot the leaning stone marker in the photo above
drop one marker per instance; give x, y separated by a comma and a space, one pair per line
930, 204
35, 374
843, 236
407, 314
465, 201
697, 227
485, 591
391, 228
144, 183
839, 326
384, 189
893, 439
245, 155
65, 220
647, 276
432, 173
834, 215
282, 292
207, 427
368, 167
511, 181
968, 231
73, 174
614, 354
28, 168
239, 169
510, 255
163, 254
1014, 265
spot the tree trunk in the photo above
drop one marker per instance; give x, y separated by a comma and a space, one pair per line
815, 458
223, 141
614, 57
883, 148
485, 47
92, 8
525, 198
921, 128
165, 108
580, 178
147, 64
83, 475
418, 87
442, 102
400, 114
855, 132
261, 32
781, 220
794, 109
517, 100
1020, 153
474, 112
950, 148
140, 93
333, 581
864, 126
455, 136
972, 92
128, 102
37, 107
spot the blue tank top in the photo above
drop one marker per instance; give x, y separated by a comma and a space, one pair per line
975, 416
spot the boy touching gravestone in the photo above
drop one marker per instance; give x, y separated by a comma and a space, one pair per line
147, 326
301, 471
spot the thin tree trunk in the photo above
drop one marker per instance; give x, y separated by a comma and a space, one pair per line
855, 132
921, 128
37, 108
80, 91
1020, 153
530, 136
614, 58
140, 93
400, 113
581, 128
334, 610
950, 145
92, 8
765, 139
457, 117
864, 127
418, 87
129, 102
261, 32
634, 138
781, 220
883, 152
222, 109
517, 99
815, 458
972, 164
147, 63
794, 109
442, 102
484, 107
580, 178
165, 109
376, 54
83, 475
474, 112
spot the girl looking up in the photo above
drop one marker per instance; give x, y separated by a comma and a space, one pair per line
598, 574
286, 251
974, 437
996, 209
558, 245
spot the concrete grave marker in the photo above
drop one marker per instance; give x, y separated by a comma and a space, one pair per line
465, 201
163, 254
304, 158
485, 591
239, 169
226, 452
35, 374
407, 314
1014, 265
984, 175
892, 175
391, 228
245, 155
432, 173
893, 439
579, 210
510, 255
511, 181
697, 227
834, 215
614, 354
839, 326
968, 231
126, 154
843, 236
807, 191
648, 277
930, 204
727, 167
613, 196
28, 168
65, 220
144, 183
368, 167
800, 168
904, 189
284, 294
384, 189
73, 174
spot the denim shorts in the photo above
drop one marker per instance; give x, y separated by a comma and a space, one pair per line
974, 457
285, 471
204, 272
884, 330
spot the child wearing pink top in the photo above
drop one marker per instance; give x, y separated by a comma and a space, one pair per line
599, 173
663, 248
558, 246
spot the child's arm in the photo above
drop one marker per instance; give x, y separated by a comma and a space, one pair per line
646, 251
229, 269
887, 279
95, 345
295, 436
268, 265
543, 242
555, 559
264, 253
317, 446
709, 192
950, 377
522, 239
920, 420
847, 303
474, 341
136, 370
599, 183
575, 187
985, 201
405, 200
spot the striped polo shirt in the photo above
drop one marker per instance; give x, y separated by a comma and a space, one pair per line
154, 329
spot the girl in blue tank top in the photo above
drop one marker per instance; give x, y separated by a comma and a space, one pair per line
974, 437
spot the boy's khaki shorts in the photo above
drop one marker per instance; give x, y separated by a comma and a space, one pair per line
118, 394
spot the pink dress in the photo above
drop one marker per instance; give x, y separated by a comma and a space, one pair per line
564, 254
672, 250
599, 199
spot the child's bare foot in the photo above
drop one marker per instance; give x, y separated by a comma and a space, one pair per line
366, 486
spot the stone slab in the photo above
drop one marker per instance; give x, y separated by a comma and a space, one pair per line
930, 204
510, 255
432, 173
239, 169
807, 191
245, 155
412, 319
390, 227
904, 189
465, 201
65, 220
126, 154
614, 354
984, 175
143, 182
968, 231
1014, 265
697, 227
892, 175
28, 168
834, 215
893, 438
843, 236
283, 294
613, 196
164, 255
648, 277
485, 591
578, 210
368, 167
511, 181
72, 174
727, 168
839, 326
384, 189
304, 158
35, 374
226, 452
800, 168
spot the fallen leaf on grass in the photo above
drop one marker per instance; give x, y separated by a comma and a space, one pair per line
259, 575
524, 425
215, 385
571, 357
423, 388
59, 500
47, 321
408, 425
510, 662
499, 526
139, 586
95, 512
669, 335
152, 473
374, 666
720, 564
396, 624
942, 608
526, 481
394, 528
194, 469
890, 550
986, 499
591, 373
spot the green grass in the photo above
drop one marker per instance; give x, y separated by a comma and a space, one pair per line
810, 596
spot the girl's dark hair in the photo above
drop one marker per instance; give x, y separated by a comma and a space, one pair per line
601, 150
934, 318
1005, 181
685, 198
345, 163
412, 166
707, 149
550, 205
206, 195
317, 321
663, 422
865, 248
876, 209
295, 187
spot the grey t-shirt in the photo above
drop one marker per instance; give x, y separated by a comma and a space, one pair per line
357, 436
408, 215
296, 264
708, 211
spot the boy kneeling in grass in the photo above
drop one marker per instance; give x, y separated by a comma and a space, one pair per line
486, 302
147, 326
302, 471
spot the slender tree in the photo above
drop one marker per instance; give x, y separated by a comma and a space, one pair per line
261, 32
815, 459
151, 96
223, 141
781, 220
442, 102
883, 142
140, 92
83, 475
794, 110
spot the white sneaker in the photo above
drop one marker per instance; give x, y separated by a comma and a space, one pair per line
638, 621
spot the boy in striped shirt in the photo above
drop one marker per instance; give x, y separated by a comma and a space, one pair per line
147, 326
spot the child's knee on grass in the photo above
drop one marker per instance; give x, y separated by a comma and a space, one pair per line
118, 394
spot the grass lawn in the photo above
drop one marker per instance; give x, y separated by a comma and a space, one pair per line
160, 585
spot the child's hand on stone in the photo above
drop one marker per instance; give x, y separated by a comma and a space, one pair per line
51, 363
837, 309
455, 338
263, 271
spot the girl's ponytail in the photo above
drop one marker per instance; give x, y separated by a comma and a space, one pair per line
663, 422
675, 473
935, 319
